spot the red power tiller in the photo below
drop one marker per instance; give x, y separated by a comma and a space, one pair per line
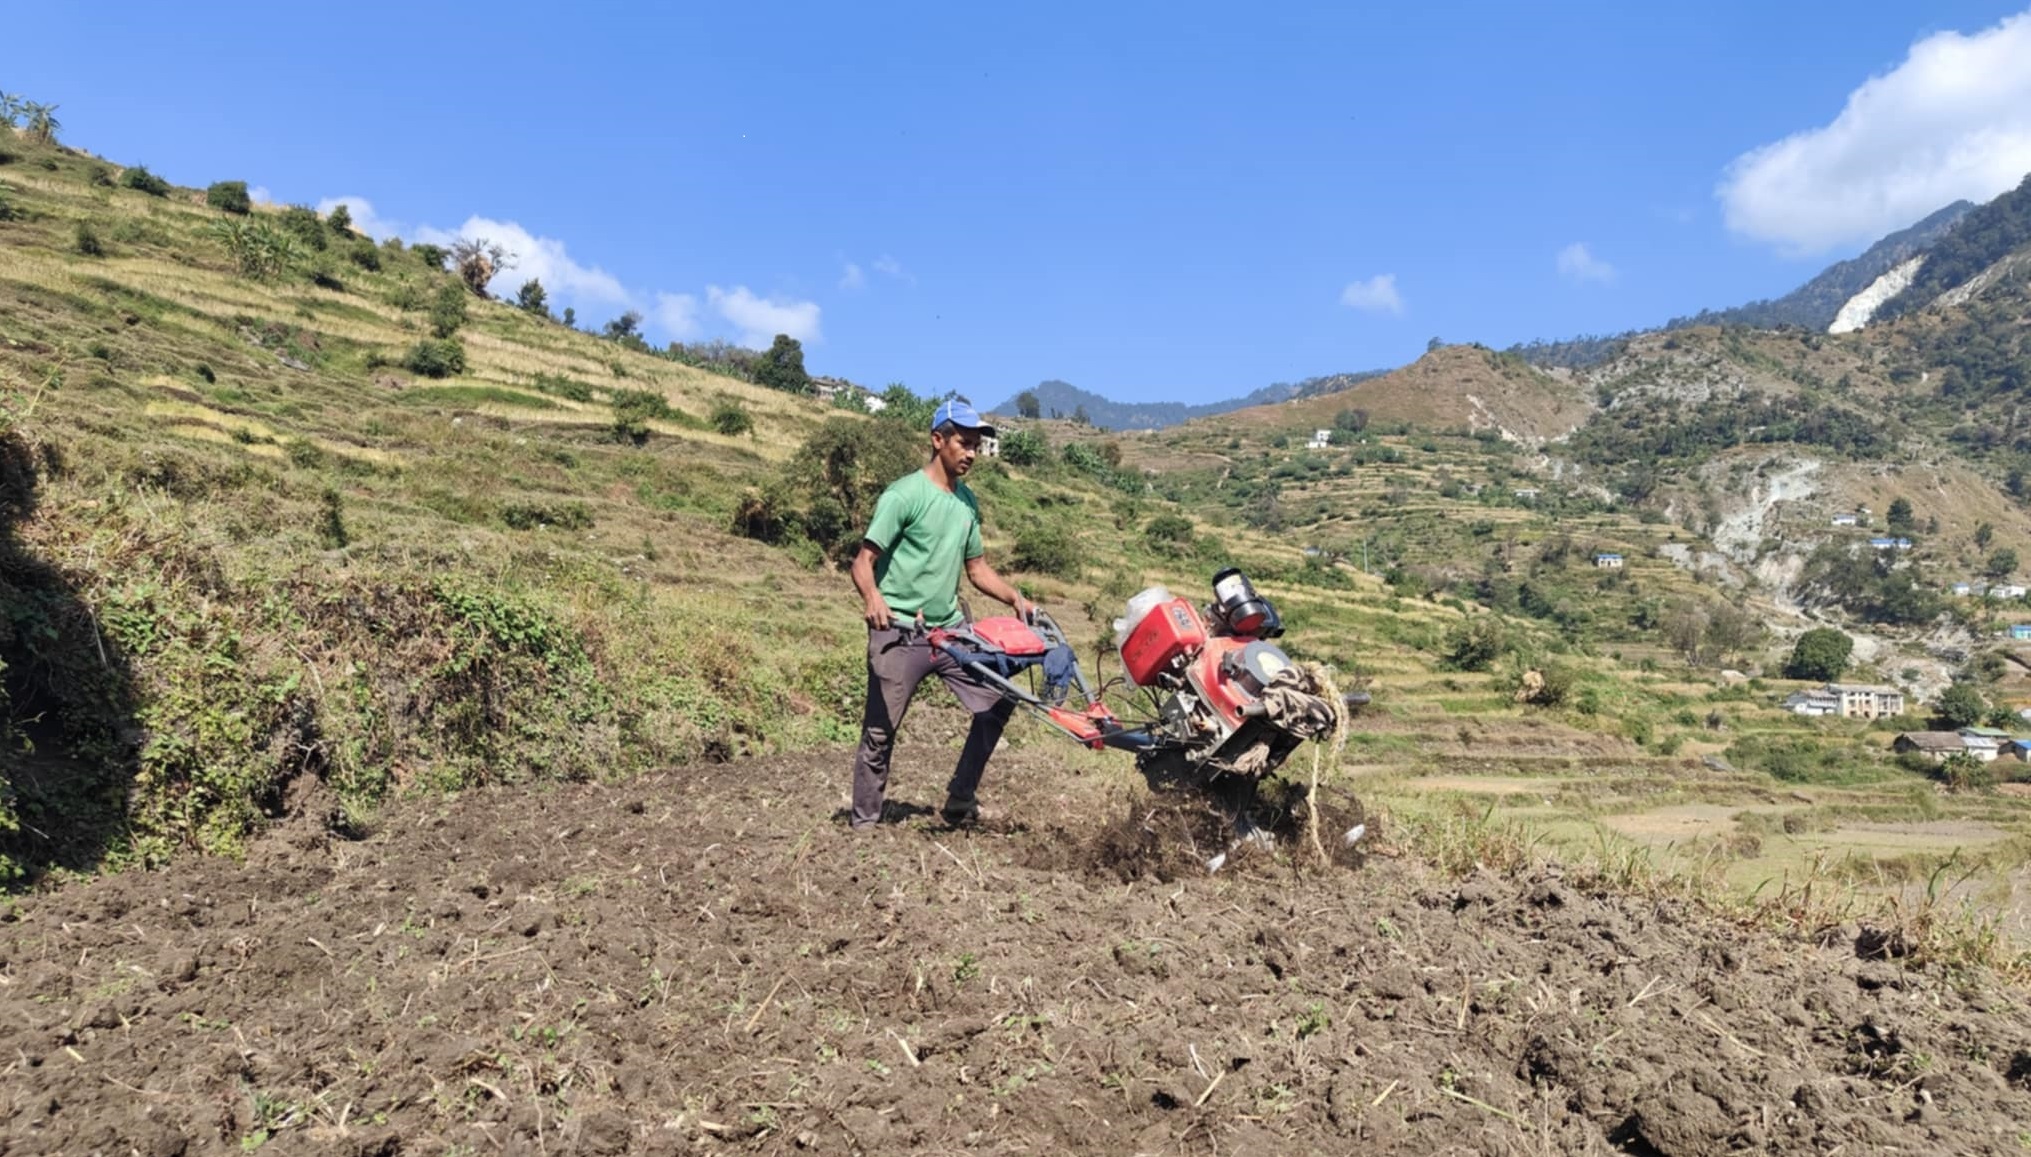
1223, 699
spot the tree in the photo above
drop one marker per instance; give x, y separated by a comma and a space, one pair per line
782, 366
1984, 534
1351, 420
340, 220
1820, 654
1960, 705
10, 110
42, 123
2003, 563
1900, 517
1731, 630
1434, 345
626, 326
1685, 628
478, 261
1027, 405
1024, 448
447, 310
229, 197
1079, 415
570, 317
532, 299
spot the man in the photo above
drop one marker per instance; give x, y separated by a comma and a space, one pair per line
925, 531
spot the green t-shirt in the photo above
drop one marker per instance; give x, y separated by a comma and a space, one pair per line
926, 535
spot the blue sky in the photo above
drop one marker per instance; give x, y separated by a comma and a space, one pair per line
1156, 202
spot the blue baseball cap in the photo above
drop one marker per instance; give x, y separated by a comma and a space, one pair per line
962, 415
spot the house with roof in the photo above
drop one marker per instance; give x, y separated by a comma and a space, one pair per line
1984, 743
2020, 631
1963, 590
1847, 520
1936, 746
2008, 591
1526, 493
2017, 747
1320, 440
1814, 701
1608, 560
1867, 700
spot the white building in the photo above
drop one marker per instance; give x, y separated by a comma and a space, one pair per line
1846, 520
1608, 561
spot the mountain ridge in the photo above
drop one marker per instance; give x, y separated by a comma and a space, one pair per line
1057, 398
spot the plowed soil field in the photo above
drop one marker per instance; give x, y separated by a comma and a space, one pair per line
708, 961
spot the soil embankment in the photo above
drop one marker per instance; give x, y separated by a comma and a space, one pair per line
706, 961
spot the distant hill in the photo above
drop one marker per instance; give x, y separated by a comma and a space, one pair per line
1983, 238
1456, 387
1814, 304
1063, 399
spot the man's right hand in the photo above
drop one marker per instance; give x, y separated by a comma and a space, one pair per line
877, 613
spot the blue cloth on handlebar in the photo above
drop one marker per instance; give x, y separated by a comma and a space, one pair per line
1059, 662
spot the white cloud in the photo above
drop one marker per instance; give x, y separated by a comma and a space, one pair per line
676, 314
852, 277
543, 259
1376, 295
260, 195
760, 319
1952, 121
1578, 263
890, 267
364, 218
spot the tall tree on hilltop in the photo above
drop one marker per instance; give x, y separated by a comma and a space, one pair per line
478, 261
10, 110
1027, 405
532, 299
782, 367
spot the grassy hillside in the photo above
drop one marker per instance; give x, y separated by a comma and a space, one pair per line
259, 564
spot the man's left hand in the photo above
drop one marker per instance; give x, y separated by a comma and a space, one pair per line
1024, 608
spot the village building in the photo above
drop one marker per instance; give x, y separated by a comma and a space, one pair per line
2007, 591
2020, 631
1984, 743
1608, 561
1526, 493
1320, 440
1936, 746
1867, 701
1846, 520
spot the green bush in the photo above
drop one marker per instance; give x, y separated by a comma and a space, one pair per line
1474, 644
303, 223
1046, 550
6, 209
366, 255
633, 410
86, 241
557, 385
141, 180
1170, 534
433, 358
432, 256
448, 309
731, 418
229, 197
1024, 448
534, 515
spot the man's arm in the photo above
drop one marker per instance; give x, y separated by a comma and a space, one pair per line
875, 609
994, 586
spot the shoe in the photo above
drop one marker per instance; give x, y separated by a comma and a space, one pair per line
960, 813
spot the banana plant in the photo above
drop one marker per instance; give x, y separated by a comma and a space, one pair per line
10, 110
42, 122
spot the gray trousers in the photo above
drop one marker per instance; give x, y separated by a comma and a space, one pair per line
896, 663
